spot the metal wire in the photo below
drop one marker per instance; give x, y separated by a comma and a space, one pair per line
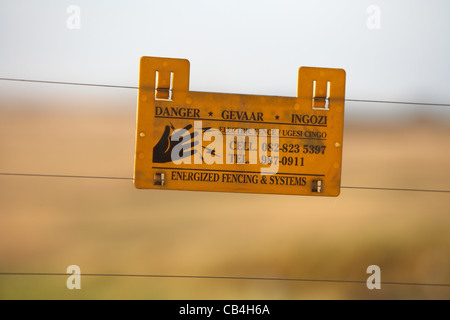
220, 278
134, 87
71, 83
61, 176
216, 277
129, 178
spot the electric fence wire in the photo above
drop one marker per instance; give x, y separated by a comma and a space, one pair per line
134, 87
216, 277
222, 278
129, 178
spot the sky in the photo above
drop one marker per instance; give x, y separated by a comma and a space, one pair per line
391, 50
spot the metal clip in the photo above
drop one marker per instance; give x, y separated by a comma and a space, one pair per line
163, 87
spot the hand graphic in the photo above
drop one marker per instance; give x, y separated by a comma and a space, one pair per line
162, 151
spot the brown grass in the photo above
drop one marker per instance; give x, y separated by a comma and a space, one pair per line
107, 226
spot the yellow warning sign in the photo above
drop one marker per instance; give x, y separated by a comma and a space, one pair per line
188, 140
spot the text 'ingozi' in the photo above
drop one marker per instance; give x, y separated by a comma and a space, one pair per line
240, 146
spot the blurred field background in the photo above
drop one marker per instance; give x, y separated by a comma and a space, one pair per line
108, 226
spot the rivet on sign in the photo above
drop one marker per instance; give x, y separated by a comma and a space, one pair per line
158, 179
316, 186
